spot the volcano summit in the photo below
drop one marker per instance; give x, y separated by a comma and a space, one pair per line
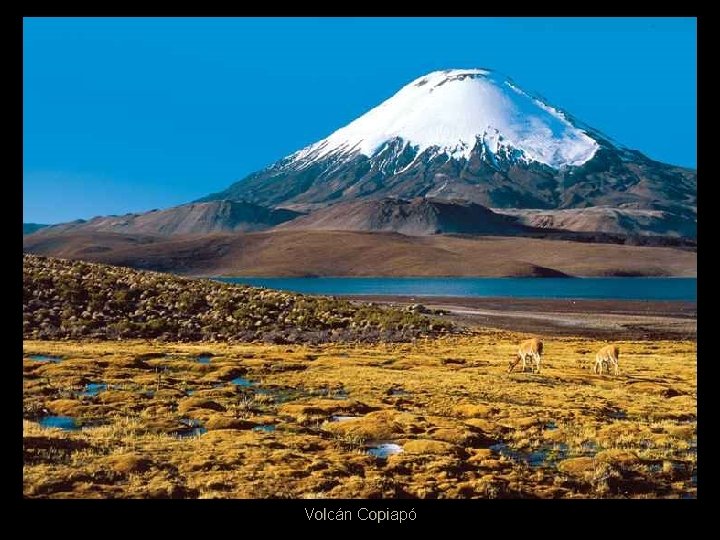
473, 135
456, 152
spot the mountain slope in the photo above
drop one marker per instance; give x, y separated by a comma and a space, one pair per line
194, 218
29, 228
471, 135
350, 253
622, 221
420, 216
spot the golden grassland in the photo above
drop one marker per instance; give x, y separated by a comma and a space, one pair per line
170, 426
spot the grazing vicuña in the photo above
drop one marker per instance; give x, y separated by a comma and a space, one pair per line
531, 350
608, 355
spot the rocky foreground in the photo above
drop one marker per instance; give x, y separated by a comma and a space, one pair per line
71, 299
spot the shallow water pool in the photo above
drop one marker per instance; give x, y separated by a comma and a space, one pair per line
44, 358
384, 450
66, 423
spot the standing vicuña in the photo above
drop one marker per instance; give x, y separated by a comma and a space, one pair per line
529, 350
609, 354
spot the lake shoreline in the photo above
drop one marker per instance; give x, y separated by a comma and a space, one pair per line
612, 289
602, 319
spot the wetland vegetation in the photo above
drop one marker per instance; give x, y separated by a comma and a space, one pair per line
434, 416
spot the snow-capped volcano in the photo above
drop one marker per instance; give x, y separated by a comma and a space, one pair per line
455, 111
472, 135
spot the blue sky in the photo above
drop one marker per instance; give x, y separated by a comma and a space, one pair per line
125, 115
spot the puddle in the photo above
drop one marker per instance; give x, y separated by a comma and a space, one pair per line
659, 467
340, 418
397, 392
93, 389
589, 447
384, 450
194, 428
242, 381
338, 394
190, 433
283, 394
265, 427
66, 423
545, 456
204, 359
44, 358
329, 393
550, 426
279, 394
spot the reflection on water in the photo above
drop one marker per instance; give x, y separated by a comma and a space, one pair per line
66, 423
382, 450
242, 381
44, 358
546, 456
93, 389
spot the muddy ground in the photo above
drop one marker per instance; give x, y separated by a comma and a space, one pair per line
602, 319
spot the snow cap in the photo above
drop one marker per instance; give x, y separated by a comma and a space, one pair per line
455, 110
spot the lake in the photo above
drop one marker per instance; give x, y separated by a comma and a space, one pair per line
633, 288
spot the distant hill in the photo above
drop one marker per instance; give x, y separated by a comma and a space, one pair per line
29, 228
622, 221
72, 299
194, 218
352, 253
417, 217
